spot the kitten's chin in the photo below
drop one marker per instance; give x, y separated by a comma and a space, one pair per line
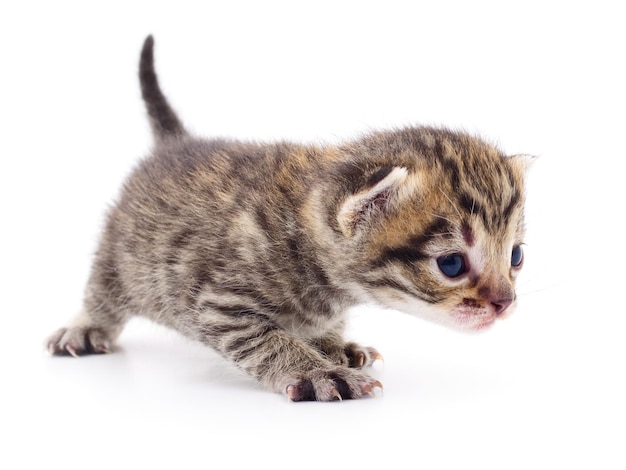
462, 317
473, 319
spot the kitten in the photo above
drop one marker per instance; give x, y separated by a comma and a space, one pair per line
257, 250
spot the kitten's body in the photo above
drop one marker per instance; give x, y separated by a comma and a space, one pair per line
258, 250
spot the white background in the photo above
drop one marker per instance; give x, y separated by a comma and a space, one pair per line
543, 389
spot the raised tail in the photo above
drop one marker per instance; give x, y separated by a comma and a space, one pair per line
163, 120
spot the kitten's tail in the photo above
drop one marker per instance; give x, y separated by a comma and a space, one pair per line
163, 120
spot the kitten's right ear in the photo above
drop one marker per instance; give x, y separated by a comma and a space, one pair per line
360, 208
524, 161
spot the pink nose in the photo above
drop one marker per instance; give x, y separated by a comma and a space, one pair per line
501, 305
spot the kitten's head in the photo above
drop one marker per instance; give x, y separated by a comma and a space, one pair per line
437, 225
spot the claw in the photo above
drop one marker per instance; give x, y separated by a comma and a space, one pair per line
377, 359
359, 360
370, 388
71, 350
102, 349
336, 394
376, 356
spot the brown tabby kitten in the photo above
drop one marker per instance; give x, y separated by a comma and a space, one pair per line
257, 250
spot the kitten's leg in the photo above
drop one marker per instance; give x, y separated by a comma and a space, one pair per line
348, 354
281, 361
101, 321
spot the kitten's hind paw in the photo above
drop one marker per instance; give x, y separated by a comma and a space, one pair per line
333, 385
78, 342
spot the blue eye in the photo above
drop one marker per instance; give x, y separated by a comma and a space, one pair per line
452, 265
517, 256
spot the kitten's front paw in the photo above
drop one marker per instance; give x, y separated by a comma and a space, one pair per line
332, 385
78, 341
361, 356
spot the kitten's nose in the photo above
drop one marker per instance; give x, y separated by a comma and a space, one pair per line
501, 305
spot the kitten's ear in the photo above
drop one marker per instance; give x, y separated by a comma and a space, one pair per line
523, 161
359, 208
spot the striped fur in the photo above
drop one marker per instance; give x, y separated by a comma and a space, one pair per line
257, 250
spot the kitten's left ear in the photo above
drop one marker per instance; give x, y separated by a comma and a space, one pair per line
362, 207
